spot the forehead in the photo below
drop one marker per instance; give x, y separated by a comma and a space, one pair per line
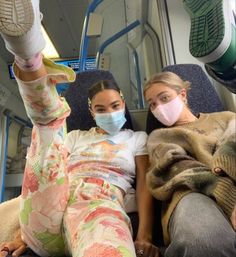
106, 95
156, 89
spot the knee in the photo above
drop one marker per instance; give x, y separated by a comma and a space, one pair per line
206, 245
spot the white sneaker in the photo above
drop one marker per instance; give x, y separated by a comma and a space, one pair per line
16, 17
20, 27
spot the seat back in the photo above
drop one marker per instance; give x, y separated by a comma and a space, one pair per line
202, 96
77, 98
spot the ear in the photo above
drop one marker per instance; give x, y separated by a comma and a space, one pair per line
92, 113
124, 103
183, 94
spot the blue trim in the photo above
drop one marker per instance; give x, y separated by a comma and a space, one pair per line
4, 164
114, 38
9, 117
138, 78
90, 64
21, 121
84, 38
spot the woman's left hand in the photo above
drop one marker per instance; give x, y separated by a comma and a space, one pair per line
146, 249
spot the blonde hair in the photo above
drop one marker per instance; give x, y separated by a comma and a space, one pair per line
168, 78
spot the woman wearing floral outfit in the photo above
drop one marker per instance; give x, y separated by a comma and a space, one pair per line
74, 185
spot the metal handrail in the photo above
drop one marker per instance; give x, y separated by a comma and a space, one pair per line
138, 75
4, 163
10, 117
17, 119
84, 38
166, 31
154, 37
114, 38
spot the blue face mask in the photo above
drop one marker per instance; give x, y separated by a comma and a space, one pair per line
111, 122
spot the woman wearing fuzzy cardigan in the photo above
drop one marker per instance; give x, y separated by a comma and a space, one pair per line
193, 172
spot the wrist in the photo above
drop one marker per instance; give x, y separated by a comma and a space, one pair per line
144, 237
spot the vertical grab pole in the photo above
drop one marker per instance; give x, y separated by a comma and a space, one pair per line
138, 78
9, 118
4, 163
137, 75
84, 39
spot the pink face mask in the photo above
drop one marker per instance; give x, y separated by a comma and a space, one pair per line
169, 113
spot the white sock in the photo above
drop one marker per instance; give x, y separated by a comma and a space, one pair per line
30, 64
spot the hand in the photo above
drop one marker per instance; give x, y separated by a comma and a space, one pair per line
146, 249
15, 248
233, 218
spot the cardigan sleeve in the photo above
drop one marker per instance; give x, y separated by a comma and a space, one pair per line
225, 156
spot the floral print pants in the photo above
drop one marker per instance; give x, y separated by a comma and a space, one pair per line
60, 216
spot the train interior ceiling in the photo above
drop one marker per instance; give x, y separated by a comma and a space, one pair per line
133, 39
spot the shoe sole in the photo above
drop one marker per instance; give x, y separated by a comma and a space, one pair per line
16, 17
210, 33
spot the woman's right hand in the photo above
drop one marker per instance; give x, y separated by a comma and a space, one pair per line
15, 248
146, 249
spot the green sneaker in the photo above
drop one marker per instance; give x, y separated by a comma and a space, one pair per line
212, 22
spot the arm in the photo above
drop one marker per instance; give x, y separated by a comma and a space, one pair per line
143, 240
144, 200
224, 158
172, 170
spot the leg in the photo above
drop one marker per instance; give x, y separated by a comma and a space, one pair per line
45, 188
199, 228
20, 28
95, 222
213, 38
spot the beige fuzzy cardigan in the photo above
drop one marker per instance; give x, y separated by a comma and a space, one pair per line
9, 219
183, 160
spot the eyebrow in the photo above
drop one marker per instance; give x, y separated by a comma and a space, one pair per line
157, 96
100, 105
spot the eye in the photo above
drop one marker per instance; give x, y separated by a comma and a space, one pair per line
165, 98
100, 110
152, 105
116, 106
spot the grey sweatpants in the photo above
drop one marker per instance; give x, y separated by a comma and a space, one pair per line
198, 228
